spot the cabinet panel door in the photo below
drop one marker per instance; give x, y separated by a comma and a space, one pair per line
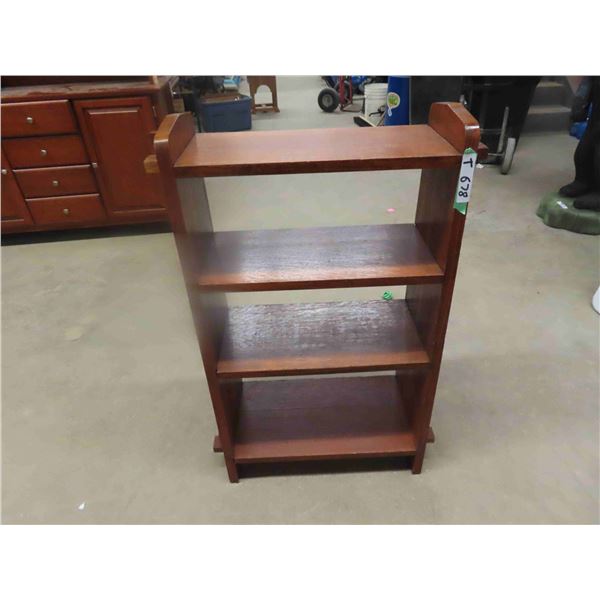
118, 133
14, 209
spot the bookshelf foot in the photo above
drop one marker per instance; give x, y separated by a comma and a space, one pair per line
232, 470
430, 436
417, 462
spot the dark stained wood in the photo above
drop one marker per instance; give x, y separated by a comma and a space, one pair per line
315, 151
410, 384
67, 209
172, 137
314, 258
334, 418
44, 90
10, 82
118, 135
455, 124
435, 208
330, 337
14, 210
424, 303
56, 181
53, 139
46, 151
218, 448
442, 229
37, 118
319, 418
438, 186
189, 214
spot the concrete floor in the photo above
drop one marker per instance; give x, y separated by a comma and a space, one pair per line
105, 402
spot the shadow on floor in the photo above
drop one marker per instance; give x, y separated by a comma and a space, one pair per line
40, 237
324, 467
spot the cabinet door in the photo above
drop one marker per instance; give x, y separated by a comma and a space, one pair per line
14, 210
118, 134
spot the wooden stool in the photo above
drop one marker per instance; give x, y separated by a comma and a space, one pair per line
255, 81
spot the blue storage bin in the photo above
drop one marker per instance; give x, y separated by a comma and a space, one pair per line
232, 114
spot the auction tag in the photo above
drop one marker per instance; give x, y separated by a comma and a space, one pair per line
465, 181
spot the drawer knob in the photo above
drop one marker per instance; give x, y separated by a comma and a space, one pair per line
29, 120
66, 211
55, 183
4, 172
44, 152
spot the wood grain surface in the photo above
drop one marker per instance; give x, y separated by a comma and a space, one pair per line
326, 257
56, 181
315, 151
37, 118
67, 209
15, 213
118, 136
84, 89
329, 337
309, 419
46, 151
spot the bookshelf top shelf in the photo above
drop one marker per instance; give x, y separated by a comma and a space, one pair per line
314, 151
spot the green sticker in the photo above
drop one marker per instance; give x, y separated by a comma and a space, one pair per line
393, 100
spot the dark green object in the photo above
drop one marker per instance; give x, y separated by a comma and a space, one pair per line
551, 210
387, 296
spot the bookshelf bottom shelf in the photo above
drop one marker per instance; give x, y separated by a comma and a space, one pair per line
326, 418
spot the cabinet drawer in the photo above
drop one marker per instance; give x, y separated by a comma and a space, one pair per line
67, 209
45, 151
56, 181
21, 119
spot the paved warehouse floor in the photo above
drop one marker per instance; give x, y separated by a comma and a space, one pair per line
105, 403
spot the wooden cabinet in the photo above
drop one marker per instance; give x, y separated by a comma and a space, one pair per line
74, 150
14, 209
118, 134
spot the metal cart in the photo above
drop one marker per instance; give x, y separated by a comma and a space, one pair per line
500, 104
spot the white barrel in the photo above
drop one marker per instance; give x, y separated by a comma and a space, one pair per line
375, 98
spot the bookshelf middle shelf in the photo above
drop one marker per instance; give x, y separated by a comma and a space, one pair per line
323, 257
330, 337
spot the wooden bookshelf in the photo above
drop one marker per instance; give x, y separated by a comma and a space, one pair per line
300, 416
